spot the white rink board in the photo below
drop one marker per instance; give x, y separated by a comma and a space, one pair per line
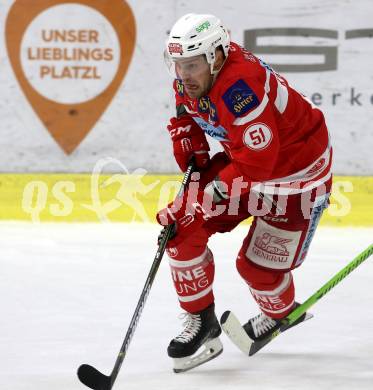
68, 292
132, 129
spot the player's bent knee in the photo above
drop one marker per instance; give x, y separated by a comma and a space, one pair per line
254, 276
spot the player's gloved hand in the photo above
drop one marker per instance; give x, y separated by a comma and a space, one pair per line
188, 140
188, 212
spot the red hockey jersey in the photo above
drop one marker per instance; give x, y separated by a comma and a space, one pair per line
272, 134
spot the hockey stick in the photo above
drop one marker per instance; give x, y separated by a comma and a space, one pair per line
89, 375
291, 318
295, 314
238, 335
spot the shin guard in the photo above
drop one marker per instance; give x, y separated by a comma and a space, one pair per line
193, 280
272, 290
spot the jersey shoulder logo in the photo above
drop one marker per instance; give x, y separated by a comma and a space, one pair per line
240, 98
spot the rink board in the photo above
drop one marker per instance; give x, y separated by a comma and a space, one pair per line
126, 198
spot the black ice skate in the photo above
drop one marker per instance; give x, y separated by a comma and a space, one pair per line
262, 326
258, 331
201, 329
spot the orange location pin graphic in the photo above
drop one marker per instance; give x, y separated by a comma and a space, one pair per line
70, 57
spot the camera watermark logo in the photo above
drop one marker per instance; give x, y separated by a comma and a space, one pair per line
130, 186
137, 196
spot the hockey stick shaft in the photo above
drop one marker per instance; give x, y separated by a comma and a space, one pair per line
89, 375
295, 314
148, 283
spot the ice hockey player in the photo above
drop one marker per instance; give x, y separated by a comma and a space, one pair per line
275, 167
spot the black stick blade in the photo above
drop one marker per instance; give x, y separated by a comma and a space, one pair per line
93, 378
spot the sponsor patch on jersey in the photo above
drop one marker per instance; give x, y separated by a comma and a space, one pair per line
257, 136
240, 98
179, 87
213, 115
272, 247
219, 132
204, 104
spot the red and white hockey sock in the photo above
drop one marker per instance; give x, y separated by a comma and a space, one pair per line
276, 302
193, 280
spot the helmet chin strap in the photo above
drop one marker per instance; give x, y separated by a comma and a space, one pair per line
213, 57
216, 72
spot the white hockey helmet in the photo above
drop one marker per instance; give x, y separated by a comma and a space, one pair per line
193, 35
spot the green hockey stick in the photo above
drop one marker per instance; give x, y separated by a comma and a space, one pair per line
251, 347
295, 314
234, 330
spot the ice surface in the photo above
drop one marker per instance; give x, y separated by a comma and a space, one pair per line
68, 291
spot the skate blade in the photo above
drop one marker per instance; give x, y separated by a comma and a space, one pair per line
213, 348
